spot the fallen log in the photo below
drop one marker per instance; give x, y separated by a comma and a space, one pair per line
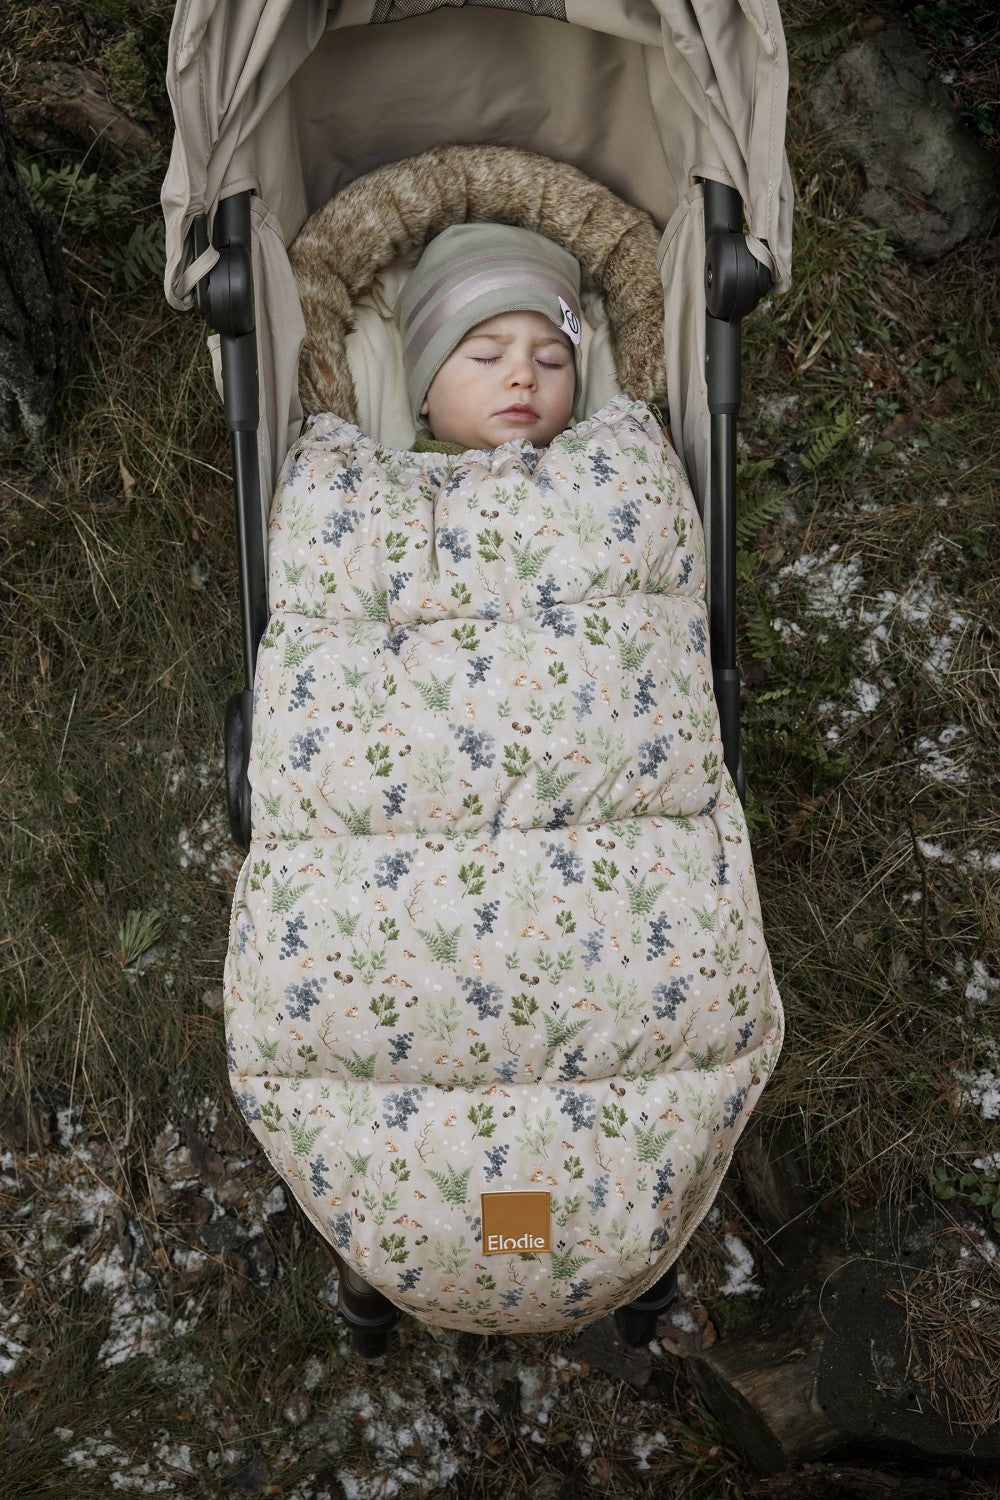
63, 107
829, 1368
762, 1386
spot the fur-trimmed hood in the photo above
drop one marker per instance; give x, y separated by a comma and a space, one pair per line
388, 216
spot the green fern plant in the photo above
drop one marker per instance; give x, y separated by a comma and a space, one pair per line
819, 41
828, 440
92, 210
760, 635
760, 503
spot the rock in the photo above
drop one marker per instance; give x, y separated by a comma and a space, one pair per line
547, 1486
846, 1481
762, 1391
929, 184
600, 1346
207, 1163
38, 314
866, 1383
328, 1486
18, 1437
247, 1252
250, 1475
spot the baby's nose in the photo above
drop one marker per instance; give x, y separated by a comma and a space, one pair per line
522, 370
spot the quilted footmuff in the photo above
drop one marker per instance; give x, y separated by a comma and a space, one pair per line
499, 1004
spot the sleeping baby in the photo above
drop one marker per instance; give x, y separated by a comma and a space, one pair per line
490, 323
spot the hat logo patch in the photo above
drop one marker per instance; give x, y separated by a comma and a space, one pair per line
570, 324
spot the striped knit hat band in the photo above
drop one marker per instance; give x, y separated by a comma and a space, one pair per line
471, 272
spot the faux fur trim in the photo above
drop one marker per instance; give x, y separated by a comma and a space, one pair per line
392, 212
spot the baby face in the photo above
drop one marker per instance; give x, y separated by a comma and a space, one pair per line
510, 377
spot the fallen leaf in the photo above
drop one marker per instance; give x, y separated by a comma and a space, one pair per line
685, 1328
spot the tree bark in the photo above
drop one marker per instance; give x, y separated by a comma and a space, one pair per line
763, 1393
38, 341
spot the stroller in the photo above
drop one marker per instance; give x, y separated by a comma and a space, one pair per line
545, 1168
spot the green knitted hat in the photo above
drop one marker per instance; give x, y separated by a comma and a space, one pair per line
471, 272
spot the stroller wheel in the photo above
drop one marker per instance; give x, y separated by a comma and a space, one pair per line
371, 1343
636, 1321
369, 1316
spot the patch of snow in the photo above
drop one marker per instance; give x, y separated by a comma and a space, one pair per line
184, 1258
10, 1352
980, 984
777, 408
647, 1443
69, 1126
137, 1325
91, 1450
833, 592
831, 585
407, 1446
208, 846
788, 630
682, 1319
934, 760
981, 1090
867, 696
930, 850
537, 1396
739, 1272
275, 1202
971, 860
176, 1456
986, 1249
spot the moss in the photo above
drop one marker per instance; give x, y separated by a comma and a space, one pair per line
127, 75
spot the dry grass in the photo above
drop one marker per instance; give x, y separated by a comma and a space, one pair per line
953, 1331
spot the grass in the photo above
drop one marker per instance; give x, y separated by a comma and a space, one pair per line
878, 689
871, 722
116, 646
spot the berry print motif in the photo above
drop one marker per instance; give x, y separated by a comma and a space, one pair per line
498, 929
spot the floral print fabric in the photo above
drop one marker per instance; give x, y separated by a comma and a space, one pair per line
498, 929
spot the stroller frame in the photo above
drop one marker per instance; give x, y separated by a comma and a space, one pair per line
719, 74
735, 282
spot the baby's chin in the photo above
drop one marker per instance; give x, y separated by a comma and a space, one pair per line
492, 434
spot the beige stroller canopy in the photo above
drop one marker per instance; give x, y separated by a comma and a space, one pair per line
293, 99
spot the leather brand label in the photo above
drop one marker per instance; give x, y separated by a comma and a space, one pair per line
517, 1223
